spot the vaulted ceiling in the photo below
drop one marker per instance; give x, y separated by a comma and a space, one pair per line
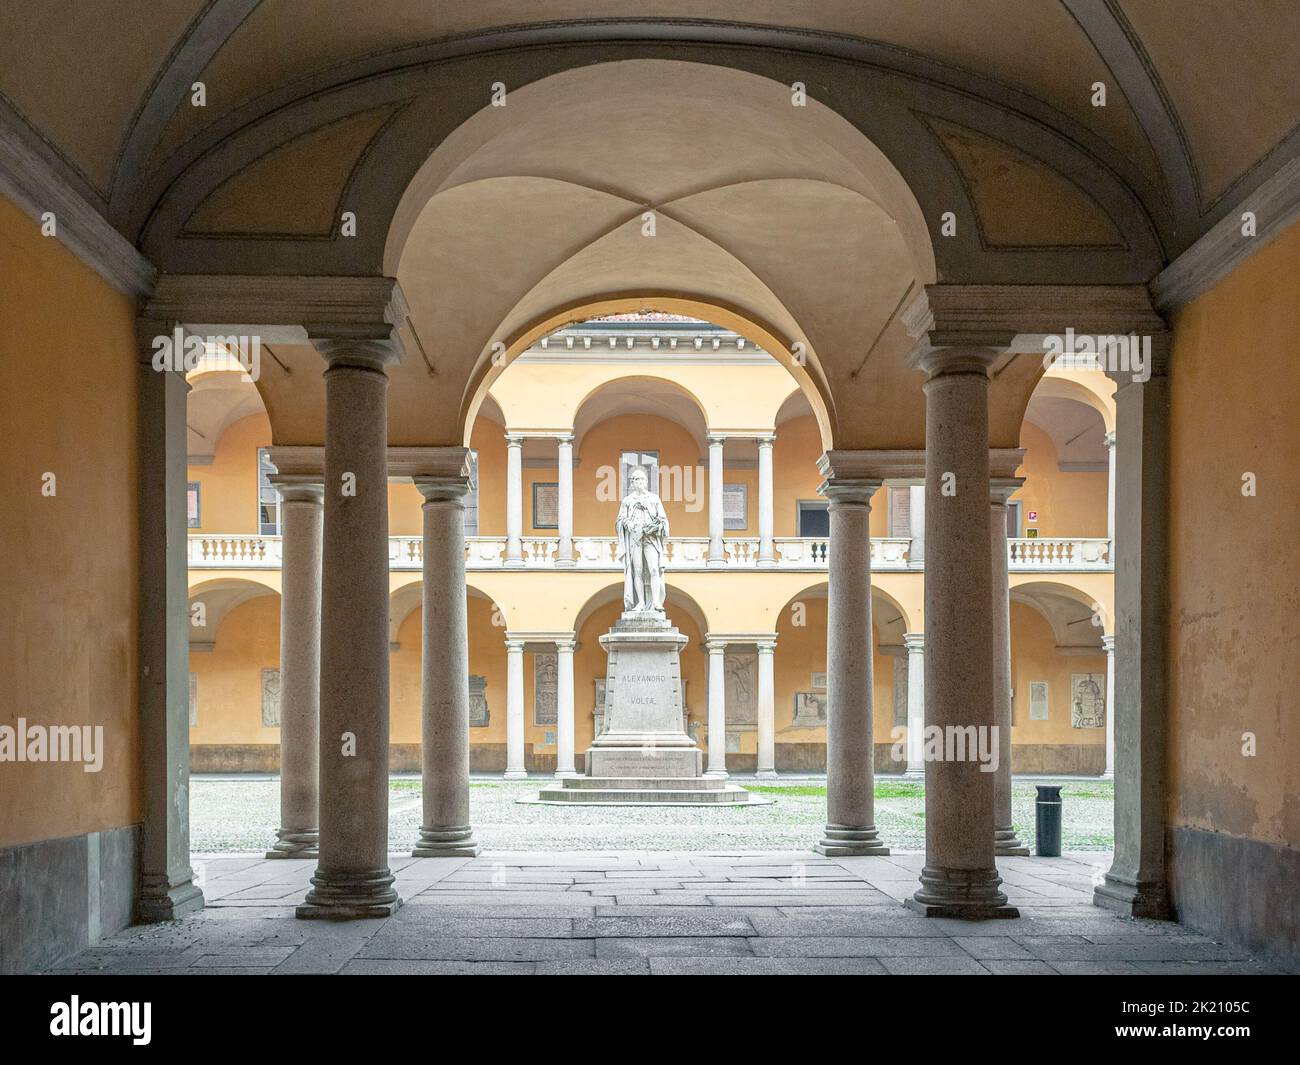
500, 158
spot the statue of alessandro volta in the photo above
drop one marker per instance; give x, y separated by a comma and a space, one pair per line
642, 529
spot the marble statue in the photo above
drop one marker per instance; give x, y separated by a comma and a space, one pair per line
642, 529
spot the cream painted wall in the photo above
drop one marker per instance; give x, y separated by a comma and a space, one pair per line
229, 677
69, 580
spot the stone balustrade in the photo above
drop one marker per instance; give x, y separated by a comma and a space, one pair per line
888, 554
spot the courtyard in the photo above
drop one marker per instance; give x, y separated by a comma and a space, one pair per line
239, 814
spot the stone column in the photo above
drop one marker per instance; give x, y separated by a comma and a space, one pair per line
352, 878
445, 830
850, 743
301, 498
516, 768
1001, 488
564, 556
717, 707
167, 889
767, 709
564, 765
717, 553
1108, 645
1110, 493
960, 877
514, 500
766, 545
915, 644
1137, 881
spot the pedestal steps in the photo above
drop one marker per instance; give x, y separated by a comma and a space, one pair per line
645, 791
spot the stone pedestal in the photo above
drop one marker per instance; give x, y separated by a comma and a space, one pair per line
643, 754
644, 734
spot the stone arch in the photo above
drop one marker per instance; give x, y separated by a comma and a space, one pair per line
1069, 611
219, 597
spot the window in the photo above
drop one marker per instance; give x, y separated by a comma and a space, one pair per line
193, 510
1013, 519
268, 499
900, 511
471, 497
814, 517
629, 459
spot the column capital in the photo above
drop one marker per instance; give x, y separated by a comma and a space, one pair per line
514, 439
854, 476
1108, 644
765, 439
716, 439
1109, 439
716, 645
359, 345
299, 473
514, 644
564, 438
566, 644
914, 641
766, 646
1001, 489
440, 473
1005, 461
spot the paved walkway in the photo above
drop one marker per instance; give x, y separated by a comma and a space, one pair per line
657, 912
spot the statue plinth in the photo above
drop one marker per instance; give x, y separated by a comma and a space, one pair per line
645, 725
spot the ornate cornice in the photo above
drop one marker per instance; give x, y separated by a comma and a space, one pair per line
241, 299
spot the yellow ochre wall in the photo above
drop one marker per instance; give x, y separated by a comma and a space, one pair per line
1068, 504
1234, 567
69, 580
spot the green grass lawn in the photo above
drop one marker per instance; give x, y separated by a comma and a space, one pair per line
232, 814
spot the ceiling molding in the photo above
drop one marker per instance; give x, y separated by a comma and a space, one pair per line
1276, 204
171, 86
38, 185
1120, 48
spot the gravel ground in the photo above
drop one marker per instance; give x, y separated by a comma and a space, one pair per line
241, 814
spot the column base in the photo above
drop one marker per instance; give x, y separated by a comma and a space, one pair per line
847, 841
513, 563
1006, 845
964, 894
166, 902
456, 842
515, 774
296, 845
1133, 898
766, 774
350, 896
720, 774
914, 772
566, 774
715, 563
766, 563
565, 563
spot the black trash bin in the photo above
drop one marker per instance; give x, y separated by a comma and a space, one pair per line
1048, 821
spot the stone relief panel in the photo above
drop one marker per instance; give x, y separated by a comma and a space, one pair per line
271, 698
1088, 700
740, 669
545, 678
478, 704
1038, 700
900, 689
809, 710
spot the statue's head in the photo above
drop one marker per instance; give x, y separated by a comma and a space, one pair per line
638, 480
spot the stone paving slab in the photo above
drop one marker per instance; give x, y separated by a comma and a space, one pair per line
656, 912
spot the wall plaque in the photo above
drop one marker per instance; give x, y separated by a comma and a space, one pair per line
1088, 700
478, 704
